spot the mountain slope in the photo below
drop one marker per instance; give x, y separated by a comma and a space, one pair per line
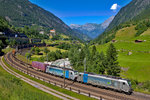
91, 29
134, 13
134, 8
23, 12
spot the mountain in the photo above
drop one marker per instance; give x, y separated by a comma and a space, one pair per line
22, 12
129, 12
132, 14
106, 23
91, 29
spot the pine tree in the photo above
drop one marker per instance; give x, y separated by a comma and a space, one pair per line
58, 54
112, 64
93, 50
1, 46
102, 63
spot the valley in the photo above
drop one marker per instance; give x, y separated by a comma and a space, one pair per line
111, 57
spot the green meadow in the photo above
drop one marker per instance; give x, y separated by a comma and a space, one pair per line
12, 88
137, 65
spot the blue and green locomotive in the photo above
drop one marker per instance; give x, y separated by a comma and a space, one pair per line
111, 82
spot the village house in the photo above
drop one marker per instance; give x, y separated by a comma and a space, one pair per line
138, 41
52, 32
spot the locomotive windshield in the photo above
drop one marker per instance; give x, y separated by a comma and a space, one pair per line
76, 73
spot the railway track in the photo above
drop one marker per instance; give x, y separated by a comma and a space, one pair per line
93, 91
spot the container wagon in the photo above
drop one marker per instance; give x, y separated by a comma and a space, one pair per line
39, 66
69, 74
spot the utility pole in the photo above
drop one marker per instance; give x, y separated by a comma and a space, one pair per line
84, 64
64, 74
47, 58
27, 64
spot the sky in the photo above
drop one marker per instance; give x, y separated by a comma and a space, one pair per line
82, 11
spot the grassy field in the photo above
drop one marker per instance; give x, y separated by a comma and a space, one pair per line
73, 94
36, 57
138, 63
125, 33
12, 88
53, 49
23, 58
7, 50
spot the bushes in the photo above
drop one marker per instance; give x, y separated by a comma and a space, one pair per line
140, 86
146, 86
67, 46
52, 56
140, 28
35, 50
56, 37
64, 46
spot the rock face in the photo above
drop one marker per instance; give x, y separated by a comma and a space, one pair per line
107, 22
23, 12
91, 29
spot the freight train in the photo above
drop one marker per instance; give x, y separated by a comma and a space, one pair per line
110, 82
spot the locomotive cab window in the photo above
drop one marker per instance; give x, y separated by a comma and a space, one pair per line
71, 73
123, 83
76, 73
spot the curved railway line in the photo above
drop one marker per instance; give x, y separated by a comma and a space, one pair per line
92, 91
36, 84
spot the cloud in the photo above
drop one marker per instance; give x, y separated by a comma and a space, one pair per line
114, 6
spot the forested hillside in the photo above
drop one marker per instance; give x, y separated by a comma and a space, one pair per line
22, 12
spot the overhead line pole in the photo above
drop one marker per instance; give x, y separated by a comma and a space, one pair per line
64, 74
84, 64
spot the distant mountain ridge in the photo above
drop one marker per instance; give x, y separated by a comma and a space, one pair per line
91, 29
22, 12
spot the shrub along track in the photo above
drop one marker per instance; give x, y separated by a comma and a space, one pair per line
98, 92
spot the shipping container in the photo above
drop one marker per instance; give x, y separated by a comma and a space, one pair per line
39, 65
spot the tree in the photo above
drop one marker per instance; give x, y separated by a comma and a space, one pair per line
76, 59
13, 42
102, 63
112, 64
52, 56
37, 50
46, 50
28, 55
1, 45
93, 50
58, 54
32, 50
65, 54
